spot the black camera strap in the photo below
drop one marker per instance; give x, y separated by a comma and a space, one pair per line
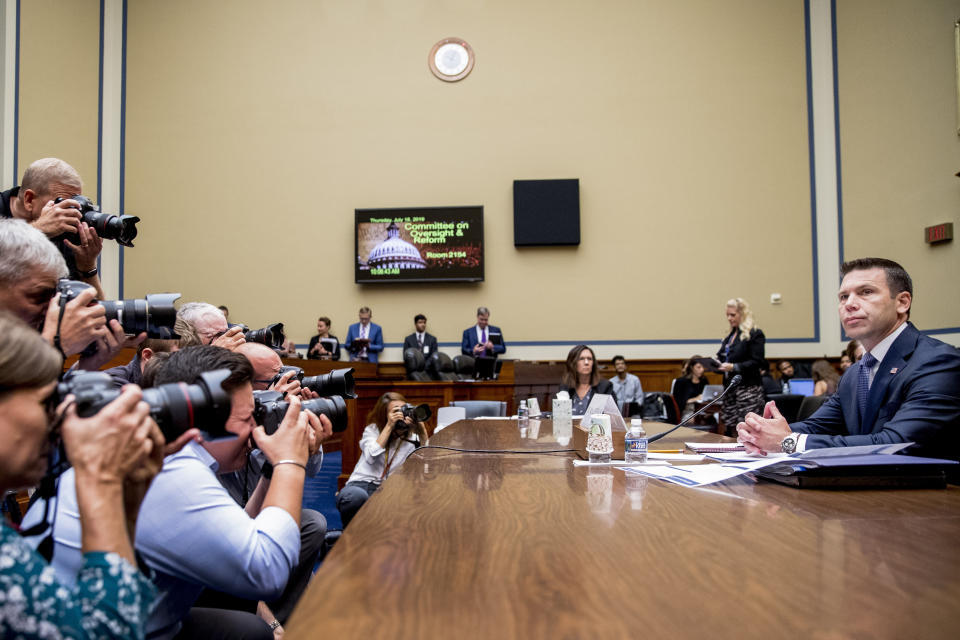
56, 336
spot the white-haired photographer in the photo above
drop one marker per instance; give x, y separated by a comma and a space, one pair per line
30, 268
115, 454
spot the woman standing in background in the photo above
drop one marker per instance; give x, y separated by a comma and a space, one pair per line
742, 353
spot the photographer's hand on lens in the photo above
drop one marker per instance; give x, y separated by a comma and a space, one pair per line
115, 442
82, 322
321, 428
232, 339
89, 248
109, 345
308, 394
57, 218
288, 384
290, 441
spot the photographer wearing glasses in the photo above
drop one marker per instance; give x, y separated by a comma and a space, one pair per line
115, 454
191, 533
30, 267
392, 435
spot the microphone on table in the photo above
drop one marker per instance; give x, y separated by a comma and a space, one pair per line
737, 379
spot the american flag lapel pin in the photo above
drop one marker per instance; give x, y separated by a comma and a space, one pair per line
894, 370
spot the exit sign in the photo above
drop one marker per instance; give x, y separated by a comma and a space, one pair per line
938, 233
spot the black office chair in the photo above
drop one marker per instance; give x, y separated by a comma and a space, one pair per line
658, 405
788, 404
415, 364
463, 366
440, 367
809, 406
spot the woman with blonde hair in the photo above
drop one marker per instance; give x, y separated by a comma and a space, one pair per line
741, 353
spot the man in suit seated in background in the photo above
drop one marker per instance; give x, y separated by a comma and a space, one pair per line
420, 339
905, 389
365, 330
478, 340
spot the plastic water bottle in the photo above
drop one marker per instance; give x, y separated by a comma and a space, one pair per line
523, 414
635, 442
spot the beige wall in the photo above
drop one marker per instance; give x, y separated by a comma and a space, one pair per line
253, 133
59, 75
899, 143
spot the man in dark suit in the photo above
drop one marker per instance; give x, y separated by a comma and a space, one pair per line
906, 388
365, 330
480, 341
420, 339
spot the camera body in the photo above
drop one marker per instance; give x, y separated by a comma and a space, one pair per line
175, 407
123, 229
270, 407
154, 314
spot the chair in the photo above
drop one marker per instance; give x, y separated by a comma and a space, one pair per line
478, 408
659, 405
809, 406
463, 367
448, 415
415, 365
440, 367
788, 404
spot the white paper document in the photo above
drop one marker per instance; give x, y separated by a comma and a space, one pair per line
697, 475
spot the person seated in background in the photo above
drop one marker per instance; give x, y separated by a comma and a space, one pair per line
190, 532
478, 341
770, 385
420, 339
845, 362
582, 380
289, 349
317, 350
854, 351
825, 378
201, 323
688, 388
785, 367
132, 372
30, 267
115, 454
386, 443
364, 338
626, 386
904, 389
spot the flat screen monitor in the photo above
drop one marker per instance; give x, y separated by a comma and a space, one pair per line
434, 244
801, 386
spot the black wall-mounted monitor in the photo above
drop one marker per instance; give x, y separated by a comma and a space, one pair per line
429, 244
546, 212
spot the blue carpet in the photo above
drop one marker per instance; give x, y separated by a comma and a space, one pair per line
319, 492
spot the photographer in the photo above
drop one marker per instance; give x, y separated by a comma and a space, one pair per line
385, 445
132, 372
33, 201
191, 532
29, 270
115, 455
202, 323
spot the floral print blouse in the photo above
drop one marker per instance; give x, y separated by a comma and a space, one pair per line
112, 598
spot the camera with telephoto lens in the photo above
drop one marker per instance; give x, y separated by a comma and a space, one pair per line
123, 229
419, 413
176, 407
154, 314
338, 382
270, 408
272, 335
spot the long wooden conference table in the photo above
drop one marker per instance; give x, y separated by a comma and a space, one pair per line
505, 545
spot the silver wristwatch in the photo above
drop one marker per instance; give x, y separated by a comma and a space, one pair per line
789, 444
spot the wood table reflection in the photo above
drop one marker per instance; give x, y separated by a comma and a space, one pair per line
513, 545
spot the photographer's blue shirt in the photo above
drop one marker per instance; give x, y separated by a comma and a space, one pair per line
192, 534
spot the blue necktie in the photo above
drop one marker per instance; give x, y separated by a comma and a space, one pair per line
863, 382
